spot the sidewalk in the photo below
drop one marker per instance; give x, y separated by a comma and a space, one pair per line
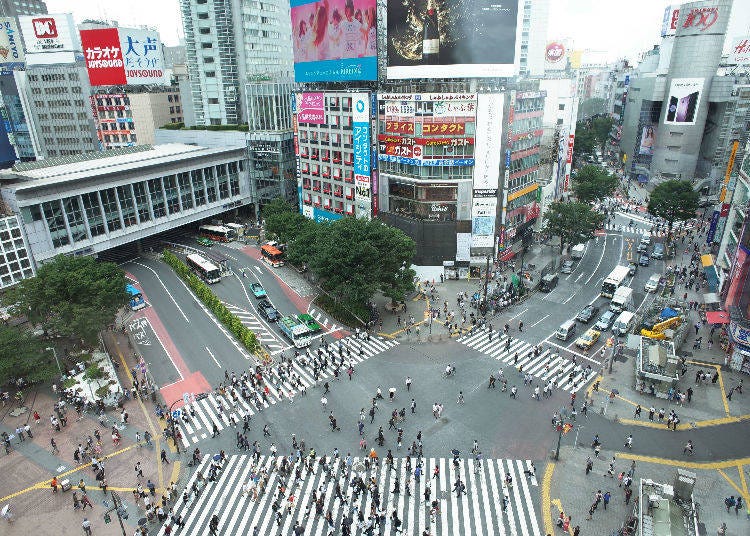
28, 469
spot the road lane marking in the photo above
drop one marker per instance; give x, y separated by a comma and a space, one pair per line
598, 263
165, 290
213, 356
541, 319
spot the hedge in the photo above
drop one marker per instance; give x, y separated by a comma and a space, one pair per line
230, 321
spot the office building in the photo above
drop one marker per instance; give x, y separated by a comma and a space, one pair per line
534, 26
16, 8
230, 42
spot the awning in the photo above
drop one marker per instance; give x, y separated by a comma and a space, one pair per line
717, 317
707, 260
710, 297
507, 255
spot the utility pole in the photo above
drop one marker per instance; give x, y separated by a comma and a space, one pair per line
486, 282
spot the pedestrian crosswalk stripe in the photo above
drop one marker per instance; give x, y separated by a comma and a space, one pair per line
201, 415
478, 510
547, 366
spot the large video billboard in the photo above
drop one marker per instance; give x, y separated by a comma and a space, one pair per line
683, 101
334, 40
123, 56
452, 38
11, 47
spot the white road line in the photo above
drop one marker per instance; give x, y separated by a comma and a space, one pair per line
519, 314
165, 290
598, 263
213, 357
538, 321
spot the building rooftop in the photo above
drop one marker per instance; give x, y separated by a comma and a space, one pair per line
62, 170
667, 509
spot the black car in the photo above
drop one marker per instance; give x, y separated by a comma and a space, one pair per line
268, 311
644, 260
588, 312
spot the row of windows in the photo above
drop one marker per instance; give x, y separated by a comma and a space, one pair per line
427, 172
112, 101
83, 217
130, 125
63, 141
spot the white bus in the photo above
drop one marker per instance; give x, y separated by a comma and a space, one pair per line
206, 270
218, 233
614, 280
239, 230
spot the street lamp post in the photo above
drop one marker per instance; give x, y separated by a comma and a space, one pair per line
172, 426
486, 282
54, 352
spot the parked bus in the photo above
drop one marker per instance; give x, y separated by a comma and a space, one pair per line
272, 255
206, 270
217, 233
239, 230
614, 280
136, 298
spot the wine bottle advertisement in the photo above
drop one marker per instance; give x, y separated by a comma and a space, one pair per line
334, 40
452, 38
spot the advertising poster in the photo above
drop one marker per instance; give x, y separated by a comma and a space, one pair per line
11, 47
669, 23
739, 54
683, 101
555, 56
142, 54
334, 40
49, 33
489, 139
452, 38
103, 55
361, 139
648, 137
311, 109
483, 214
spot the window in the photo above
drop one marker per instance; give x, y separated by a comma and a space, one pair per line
213, 100
221, 172
125, 194
170, 189
210, 184
208, 59
183, 181
198, 187
93, 213
75, 219
206, 45
202, 16
111, 211
53, 214
204, 31
157, 198
141, 200
234, 179
210, 74
561, 106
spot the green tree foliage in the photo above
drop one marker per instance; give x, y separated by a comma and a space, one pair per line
601, 127
593, 183
204, 294
673, 200
23, 356
585, 141
71, 296
572, 222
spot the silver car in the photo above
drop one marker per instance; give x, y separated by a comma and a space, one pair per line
605, 321
653, 283
567, 267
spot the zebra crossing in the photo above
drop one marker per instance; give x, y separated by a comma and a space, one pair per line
489, 506
323, 320
252, 321
546, 366
197, 418
613, 227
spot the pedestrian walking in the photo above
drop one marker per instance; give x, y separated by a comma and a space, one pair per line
86, 525
408, 383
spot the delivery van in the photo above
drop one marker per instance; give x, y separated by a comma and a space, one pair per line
624, 323
566, 331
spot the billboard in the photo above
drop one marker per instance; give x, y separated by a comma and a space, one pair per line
311, 109
122, 56
101, 50
489, 139
49, 33
452, 39
334, 40
669, 23
11, 47
648, 137
483, 215
361, 141
740, 51
555, 56
683, 101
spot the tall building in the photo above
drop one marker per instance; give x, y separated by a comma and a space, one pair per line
230, 42
15, 8
534, 26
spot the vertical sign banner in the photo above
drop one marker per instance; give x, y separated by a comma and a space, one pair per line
712, 228
361, 141
334, 40
488, 140
143, 57
103, 55
11, 48
683, 101
311, 109
483, 214
669, 23
453, 38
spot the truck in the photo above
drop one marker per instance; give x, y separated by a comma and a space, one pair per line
622, 299
576, 252
295, 331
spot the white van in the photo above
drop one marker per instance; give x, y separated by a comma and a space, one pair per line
566, 331
623, 323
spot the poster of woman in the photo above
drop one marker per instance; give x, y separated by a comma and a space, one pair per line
648, 137
334, 40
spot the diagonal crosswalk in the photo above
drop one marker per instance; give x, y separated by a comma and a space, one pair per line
249, 494
547, 365
196, 420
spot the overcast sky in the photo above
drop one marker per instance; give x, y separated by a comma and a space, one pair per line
623, 29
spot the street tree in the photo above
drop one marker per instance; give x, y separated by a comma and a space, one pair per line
585, 141
71, 297
572, 222
592, 183
601, 127
282, 221
23, 356
674, 201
